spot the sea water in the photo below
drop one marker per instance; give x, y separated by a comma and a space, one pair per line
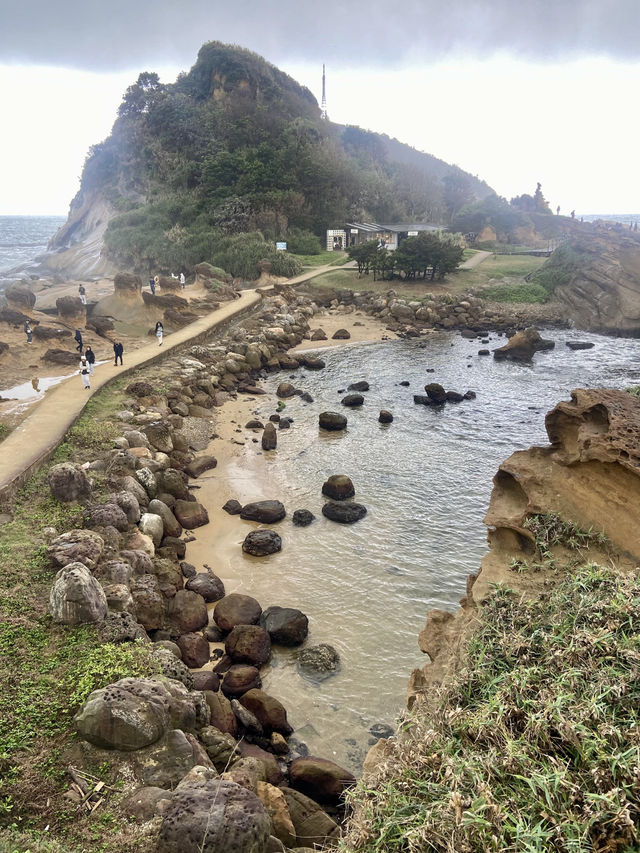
23, 238
425, 479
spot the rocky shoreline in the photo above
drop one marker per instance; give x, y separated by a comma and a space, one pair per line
211, 733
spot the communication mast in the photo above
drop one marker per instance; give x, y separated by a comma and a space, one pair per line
323, 104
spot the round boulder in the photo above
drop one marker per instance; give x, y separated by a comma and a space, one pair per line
320, 779
238, 679
362, 385
68, 482
436, 392
214, 816
339, 487
344, 513
341, 335
236, 609
285, 625
385, 417
270, 436
332, 421
285, 389
195, 650
190, 514
352, 400
261, 543
248, 644
270, 713
208, 585
81, 546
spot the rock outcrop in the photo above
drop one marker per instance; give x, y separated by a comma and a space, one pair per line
589, 475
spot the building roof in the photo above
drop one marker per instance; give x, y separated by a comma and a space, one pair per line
375, 227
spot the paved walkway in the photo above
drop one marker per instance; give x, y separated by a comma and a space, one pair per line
474, 260
34, 441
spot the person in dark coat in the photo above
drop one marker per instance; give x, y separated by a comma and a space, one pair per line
78, 338
91, 358
118, 349
152, 286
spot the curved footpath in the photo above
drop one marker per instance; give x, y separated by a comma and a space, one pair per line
34, 441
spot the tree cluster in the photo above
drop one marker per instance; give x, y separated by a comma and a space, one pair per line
428, 255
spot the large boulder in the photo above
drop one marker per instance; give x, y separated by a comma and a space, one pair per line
436, 392
187, 611
270, 713
269, 437
195, 650
106, 515
71, 311
200, 465
261, 543
320, 779
159, 436
214, 816
236, 609
151, 525
149, 601
135, 712
68, 482
76, 546
248, 644
240, 678
344, 513
206, 584
285, 389
522, 346
61, 356
76, 596
220, 712
311, 823
127, 286
265, 512
332, 421
338, 487
20, 297
286, 625
191, 514
351, 400
170, 524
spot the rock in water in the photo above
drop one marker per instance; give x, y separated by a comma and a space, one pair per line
338, 487
260, 543
266, 512
522, 346
333, 421
344, 513
318, 662
269, 437
286, 625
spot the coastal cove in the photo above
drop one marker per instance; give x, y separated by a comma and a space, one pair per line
425, 480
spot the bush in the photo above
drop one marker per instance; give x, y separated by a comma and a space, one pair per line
559, 268
241, 253
303, 243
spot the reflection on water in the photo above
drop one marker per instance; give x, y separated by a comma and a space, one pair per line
426, 481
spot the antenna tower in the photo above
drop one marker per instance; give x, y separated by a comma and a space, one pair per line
323, 104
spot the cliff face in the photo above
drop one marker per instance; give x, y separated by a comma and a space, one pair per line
589, 475
75, 251
603, 293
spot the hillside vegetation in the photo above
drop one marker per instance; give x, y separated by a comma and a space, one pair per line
236, 146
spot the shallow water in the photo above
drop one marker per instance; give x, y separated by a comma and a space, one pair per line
426, 481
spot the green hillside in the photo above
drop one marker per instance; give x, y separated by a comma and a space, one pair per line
235, 146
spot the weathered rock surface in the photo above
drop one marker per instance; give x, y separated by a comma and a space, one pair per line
344, 513
214, 816
191, 514
76, 596
318, 662
68, 482
332, 421
286, 625
261, 543
206, 584
236, 609
81, 546
522, 346
265, 512
248, 644
270, 713
320, 779
338, 487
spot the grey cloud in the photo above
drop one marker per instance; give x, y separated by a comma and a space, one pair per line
115, 35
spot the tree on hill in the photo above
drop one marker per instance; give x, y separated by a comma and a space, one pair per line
535, 203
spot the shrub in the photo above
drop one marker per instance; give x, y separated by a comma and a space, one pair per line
303, 242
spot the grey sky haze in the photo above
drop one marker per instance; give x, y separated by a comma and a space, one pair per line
98, 35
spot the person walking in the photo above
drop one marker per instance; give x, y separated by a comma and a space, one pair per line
28, 332
78, 339
83, 294
91, 358
159, 332
84, 373
152, 286
183, 280
156, 281
118, 349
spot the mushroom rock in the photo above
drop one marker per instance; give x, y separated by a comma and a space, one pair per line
522, 346
20, 297
128, 286
71, 311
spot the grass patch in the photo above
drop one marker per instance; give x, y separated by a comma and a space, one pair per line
515, 293
534, 747
335, 259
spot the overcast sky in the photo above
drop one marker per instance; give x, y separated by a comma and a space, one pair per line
513, 92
